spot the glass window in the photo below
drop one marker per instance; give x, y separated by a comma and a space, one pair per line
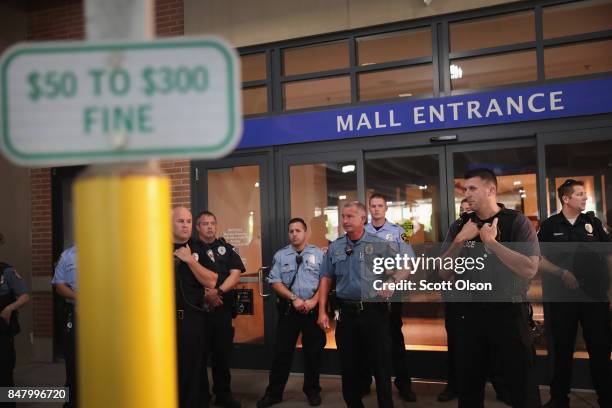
483, 72
516, 177
578, 59
490, 32
393, 83
317, 92
314, 58
577, 18
239, 222
254, 100
253, 67
411, 185
589, 162
394, 46
318, 192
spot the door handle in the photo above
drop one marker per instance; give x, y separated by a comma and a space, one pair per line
260, 281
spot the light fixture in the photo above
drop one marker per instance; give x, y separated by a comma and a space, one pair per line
456, 72
404, 95
349, 168
342, 197
423, 187
256, 184
389, 202
521, 190
523, 195
517, 183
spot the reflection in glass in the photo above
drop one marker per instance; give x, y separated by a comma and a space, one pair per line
503, 69
490, 32
394, 83
253, 67
314, 58
254, 100
411, 185
396, 46
577, 18
317, 92
318, 192
239, 222
578, 59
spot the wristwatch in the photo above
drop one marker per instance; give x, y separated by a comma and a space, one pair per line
293, 296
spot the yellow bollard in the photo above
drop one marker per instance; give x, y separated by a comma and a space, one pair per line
126, 312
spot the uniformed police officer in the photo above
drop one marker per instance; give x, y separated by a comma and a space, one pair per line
390, 232
576, 281
362, 331
221, 303
13, 295
295, 279
494, 320
193, 272
449, 393
65, 283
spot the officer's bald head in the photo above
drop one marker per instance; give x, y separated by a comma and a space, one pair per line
181, 224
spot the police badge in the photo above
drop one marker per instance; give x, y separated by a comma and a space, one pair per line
211, 255
389, 237
588, 228
369, 249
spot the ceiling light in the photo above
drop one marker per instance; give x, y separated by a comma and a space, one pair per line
403, 95
456, 72
342, 197
517, 183
349, 168
257, 184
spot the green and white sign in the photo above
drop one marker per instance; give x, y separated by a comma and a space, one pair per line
77, 103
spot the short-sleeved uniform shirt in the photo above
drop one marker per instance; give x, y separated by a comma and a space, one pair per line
285, 267
226, 258
350, 263
513, 228
578, 249
391, 232
189, 291
66, 271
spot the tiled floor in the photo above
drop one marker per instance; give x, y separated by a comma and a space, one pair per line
249, 386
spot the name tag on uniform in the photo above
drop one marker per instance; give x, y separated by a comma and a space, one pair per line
556, 234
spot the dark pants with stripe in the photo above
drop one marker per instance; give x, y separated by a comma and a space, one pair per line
313, 341
594, 318
364, 335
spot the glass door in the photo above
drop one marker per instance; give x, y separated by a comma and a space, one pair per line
238, 190
584, 155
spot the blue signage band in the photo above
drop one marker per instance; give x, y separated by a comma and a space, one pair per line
549, 101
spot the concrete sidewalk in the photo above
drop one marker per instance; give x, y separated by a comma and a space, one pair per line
249, 385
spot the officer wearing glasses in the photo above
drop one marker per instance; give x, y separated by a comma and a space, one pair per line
295, 278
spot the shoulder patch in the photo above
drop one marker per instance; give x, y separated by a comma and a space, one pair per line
17, 275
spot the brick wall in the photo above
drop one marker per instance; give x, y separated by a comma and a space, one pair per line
63, 20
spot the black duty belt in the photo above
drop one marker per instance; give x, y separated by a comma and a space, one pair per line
358, 306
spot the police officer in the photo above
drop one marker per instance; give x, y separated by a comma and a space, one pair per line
295, 279
13, 295
576, 281
193, 271
493, 320
65, 284
385, 229
450, 391
362, 331
221, 302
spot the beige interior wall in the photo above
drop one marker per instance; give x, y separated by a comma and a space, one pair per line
15, 242
247, 22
